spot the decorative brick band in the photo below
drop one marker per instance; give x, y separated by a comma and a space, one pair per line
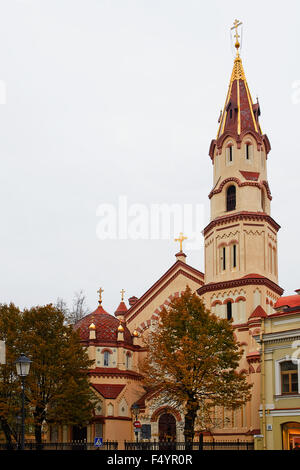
233, 217
165, 409
240, 282
259, 185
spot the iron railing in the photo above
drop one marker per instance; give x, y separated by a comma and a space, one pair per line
59, 446
190, 446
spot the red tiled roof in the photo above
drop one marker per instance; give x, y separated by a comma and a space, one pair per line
258, 312
289, 301
121, 310
108, 390
106, 327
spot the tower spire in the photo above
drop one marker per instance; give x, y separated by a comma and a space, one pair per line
239, 114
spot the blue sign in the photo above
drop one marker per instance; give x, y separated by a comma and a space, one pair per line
98, 441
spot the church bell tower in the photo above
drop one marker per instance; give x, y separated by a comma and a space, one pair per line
241, 238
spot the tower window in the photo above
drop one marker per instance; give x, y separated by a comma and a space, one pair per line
248, 149
229, 154
230, 114
231, 198
229, 310
224, 258
234, 256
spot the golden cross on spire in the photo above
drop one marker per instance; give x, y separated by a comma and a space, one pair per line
100, 294
235, 26
122, 292
180, 240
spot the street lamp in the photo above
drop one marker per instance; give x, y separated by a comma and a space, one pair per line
23, 367
135, 409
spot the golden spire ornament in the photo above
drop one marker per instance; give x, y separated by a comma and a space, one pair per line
180, 240
122, 292
100, 291
235, 26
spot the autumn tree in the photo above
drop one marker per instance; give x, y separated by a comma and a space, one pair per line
192, 360
10, 332
57, 386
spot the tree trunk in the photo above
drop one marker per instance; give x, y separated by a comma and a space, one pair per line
189, 422
38, 421
7, 432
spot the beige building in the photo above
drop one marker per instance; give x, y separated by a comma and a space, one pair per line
280, 379
240, 283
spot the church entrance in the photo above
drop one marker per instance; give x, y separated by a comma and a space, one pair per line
167, 428
79, 436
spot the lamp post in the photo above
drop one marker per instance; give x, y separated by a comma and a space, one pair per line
135, 409
23, 366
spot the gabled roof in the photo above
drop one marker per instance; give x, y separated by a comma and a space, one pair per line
108, 390
258, 312
178, 268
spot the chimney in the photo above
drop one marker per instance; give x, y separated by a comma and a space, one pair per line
133, 300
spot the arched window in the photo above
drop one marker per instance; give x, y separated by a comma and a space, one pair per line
128, 360
248, 151
234, 257
229, 310
231, 198
229, 154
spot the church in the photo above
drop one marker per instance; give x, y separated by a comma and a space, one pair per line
240, 283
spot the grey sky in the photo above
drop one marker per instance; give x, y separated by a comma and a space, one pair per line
119, 97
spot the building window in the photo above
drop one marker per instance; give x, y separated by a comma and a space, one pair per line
229, 154
231, 198
248, 151
128, 360
106, 358
234, 256
98, 430
229, 310
289, 377
223, 258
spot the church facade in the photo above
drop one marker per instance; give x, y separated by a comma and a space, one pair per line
240, 283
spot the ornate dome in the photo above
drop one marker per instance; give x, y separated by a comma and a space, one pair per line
106, 327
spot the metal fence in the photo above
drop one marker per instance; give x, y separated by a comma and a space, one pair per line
73, 445
192, 446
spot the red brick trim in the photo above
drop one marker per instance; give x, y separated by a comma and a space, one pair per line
165, 409
241, 216
214, 286
240, 184
142, 302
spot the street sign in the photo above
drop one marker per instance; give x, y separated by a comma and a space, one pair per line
137, 429
137, 424
98, 441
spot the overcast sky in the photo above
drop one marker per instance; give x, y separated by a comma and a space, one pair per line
117, 97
